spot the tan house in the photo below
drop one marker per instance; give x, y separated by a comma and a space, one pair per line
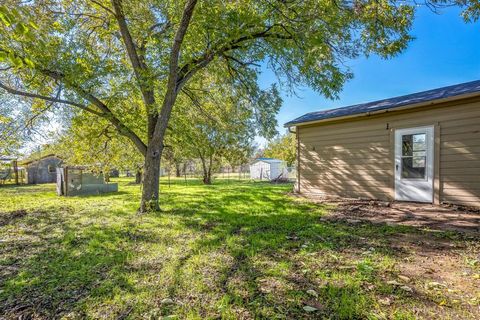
422, 147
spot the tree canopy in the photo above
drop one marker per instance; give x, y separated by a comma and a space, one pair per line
219, 126
283, 147
91, 141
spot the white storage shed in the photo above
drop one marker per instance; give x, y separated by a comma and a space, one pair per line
268, 169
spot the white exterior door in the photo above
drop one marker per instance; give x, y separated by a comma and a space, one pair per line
414, 164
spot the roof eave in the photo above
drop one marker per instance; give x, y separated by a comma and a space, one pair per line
27, 162
366, 114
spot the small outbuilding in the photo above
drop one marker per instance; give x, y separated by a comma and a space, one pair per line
268, 169
43, 169
77, 180
421, 147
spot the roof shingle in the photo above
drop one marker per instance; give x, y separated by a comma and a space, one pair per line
390, 103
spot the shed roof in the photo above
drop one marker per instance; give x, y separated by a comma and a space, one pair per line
268, 160
28, 161
7, 158
458, 90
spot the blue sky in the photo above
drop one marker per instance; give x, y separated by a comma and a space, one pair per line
445, 51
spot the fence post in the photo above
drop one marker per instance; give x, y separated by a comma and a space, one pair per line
15, 170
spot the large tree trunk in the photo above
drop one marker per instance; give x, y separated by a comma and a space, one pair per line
207, 176
151, 174
210, 164
178, 172
207, 170
151, 178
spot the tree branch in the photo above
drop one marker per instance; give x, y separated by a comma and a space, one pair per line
177, 43
139, 67
164, 27
103, 7
106, 112
189, 69
51, 99
240, 62
172, 88
198, 105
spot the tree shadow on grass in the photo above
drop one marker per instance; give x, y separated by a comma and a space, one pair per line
343, 260
51, 265
49, 270
246, 252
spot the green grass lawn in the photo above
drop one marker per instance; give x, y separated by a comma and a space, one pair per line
232, 250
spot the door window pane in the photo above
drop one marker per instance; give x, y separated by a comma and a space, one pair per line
407, 145
413, 167
419, 142
419, 153
418, 162
414, 156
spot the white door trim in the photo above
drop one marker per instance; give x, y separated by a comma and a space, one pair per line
415, 189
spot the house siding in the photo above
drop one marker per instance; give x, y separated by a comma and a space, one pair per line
355, 158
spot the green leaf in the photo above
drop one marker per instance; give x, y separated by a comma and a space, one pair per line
5, 19
309, 309
34, 25
17, 61
21, 28
4, 119
29, 62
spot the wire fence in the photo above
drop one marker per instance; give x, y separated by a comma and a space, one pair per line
226, 174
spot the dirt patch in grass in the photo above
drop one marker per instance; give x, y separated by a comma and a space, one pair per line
442, 271
434, 217
437, 254
10, 217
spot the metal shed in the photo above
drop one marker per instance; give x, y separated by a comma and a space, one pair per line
76, 181
43, 169
268, 169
